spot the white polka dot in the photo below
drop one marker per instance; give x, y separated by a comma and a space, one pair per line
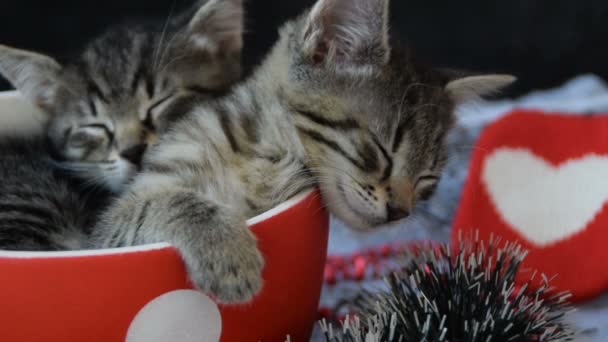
184, 315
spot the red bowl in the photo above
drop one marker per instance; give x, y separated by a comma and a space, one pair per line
142, 294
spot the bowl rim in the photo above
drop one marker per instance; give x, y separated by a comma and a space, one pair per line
281, 208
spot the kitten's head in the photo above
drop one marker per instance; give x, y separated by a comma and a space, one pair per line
108, 104
372, 120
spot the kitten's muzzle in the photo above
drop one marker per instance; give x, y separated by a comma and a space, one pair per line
134, 154
396, 213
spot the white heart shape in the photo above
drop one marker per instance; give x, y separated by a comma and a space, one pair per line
546, 204
183, 315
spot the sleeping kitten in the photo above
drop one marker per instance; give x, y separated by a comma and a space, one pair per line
105, 106
103, 109
334, 105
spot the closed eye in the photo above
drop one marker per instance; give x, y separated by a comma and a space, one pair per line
207, 91
149, 119
427, 192
425, 186
89, 136
426, 179
103, 127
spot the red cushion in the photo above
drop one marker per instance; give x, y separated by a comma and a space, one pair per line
542, 180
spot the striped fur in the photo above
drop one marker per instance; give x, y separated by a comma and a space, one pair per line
40, 205
104, 106
364, 122
108, 102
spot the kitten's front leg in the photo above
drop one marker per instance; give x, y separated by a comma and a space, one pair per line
218, 248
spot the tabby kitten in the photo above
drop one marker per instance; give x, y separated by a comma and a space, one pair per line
103, 108
334, 105
106, 105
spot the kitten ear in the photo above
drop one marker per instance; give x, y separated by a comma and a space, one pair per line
218, 26
36, 76
348, 31
473, 87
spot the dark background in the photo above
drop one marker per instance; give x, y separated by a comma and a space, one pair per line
544, 42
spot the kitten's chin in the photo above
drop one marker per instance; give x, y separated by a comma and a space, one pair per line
117, 179
355, 222
115, 186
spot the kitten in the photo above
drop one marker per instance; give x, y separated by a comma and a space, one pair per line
334, 105
106, 105
103, 108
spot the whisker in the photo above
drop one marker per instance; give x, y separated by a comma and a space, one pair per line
168, 46
175, 59
162, 37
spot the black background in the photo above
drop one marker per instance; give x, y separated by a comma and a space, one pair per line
544, 42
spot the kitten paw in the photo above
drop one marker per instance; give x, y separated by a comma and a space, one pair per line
231, 271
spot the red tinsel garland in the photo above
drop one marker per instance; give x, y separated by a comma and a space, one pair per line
367, 265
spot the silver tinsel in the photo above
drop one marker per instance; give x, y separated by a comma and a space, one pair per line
470, 296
